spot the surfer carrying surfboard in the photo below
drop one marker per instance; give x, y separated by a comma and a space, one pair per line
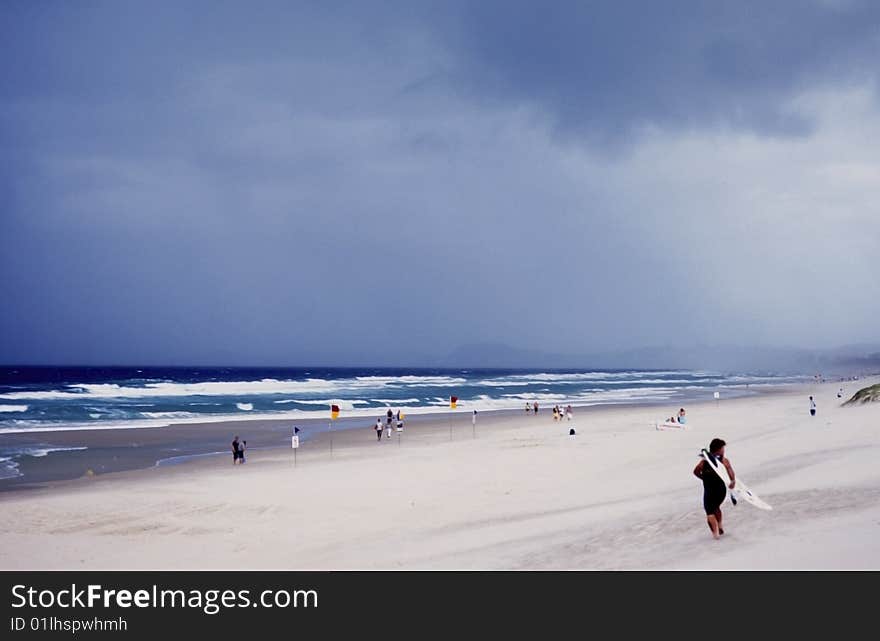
714, 490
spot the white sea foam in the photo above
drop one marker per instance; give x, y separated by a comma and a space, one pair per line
40, 452
246, 407
168, 414
328, 402
8, 468
411, 381
503, 383
9, 464
13, 408
159, 389
165, 389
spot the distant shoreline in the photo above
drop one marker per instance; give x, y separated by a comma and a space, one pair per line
114, 451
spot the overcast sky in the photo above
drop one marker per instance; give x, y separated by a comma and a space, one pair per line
326, 182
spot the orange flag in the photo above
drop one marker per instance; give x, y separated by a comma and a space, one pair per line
452, 401
334, 412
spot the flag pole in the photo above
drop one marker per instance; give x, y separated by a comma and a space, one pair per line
334, 414
452, 401
474, 422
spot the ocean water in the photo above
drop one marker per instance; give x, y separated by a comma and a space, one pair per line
45, 399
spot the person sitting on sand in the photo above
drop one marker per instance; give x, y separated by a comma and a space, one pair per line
714, 491
681, 416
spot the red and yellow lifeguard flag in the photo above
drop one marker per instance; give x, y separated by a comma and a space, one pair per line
452, 401
334, 412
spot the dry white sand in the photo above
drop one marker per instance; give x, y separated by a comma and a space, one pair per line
524, 494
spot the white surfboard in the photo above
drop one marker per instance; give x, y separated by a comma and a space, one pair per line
667, 425
743, 492
740, 490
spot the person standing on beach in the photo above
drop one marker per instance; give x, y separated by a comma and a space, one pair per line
235, 450
241, 448
812, 407
568, 412
378, 429
714, 491
536, 407
528, 407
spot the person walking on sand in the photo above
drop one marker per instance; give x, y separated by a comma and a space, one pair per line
714, 490
528, 407
236, 452
378, 428
555, 413
241, 448
812, 407
568, 412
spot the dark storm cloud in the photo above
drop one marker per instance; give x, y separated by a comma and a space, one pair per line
606, 69
346, 182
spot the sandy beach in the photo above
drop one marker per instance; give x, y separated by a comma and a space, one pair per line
522, 494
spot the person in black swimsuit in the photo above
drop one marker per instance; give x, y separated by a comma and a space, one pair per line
714, 491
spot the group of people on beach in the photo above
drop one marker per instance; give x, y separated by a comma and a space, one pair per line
559, 413
389, 419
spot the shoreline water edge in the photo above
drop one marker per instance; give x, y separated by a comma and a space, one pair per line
52, 453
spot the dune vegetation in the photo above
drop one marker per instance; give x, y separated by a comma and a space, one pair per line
865, 395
